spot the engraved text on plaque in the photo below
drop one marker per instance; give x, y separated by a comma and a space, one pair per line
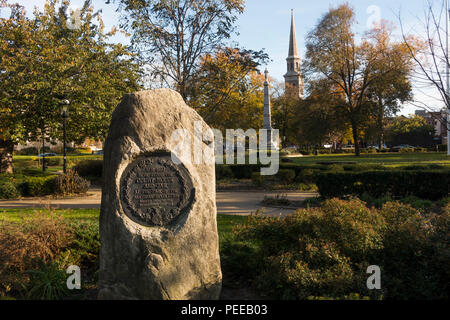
155, 191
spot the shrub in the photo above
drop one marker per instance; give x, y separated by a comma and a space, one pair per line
335, 167
54, 161
324, 252
84, 249
375, 202
432, 166
417, 203
241, 257
442, 147
312, 202
244, 171
368, 150
364, 167
71, 183
38, 186
307, 187
223, 172
425, 184
306, 176
285, 176
89, 168
47, 282
413, 254
257, 179
406, 150
304, 254
38, 237
8, 190
30, 151
278, 200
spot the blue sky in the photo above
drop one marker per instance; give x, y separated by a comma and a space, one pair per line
265, 23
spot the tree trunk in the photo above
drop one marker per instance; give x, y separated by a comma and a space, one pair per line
355, 136
6, 156
380, 118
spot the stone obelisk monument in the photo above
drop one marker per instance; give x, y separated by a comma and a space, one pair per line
271, 144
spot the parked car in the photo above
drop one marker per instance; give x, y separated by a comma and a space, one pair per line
403, 146
375, 146
94, 148
49, 154
347, 146
99, 152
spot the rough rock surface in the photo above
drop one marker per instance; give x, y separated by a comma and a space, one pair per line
176, 258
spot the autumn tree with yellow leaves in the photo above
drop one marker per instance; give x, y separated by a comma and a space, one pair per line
360, 73
49, 58
229, 90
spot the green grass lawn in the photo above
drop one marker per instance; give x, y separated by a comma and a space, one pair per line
386, 159
29, 166
77, 156
225, 223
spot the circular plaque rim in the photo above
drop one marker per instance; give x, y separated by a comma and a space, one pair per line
184, 182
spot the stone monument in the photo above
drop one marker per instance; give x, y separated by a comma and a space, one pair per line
158, 225
271, 141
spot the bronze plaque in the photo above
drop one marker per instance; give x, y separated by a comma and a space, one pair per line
155, 191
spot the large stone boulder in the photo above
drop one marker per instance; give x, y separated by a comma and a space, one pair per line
158, 224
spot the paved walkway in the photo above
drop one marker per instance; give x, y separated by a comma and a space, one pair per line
228, 202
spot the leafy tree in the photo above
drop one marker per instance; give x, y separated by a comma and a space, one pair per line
228, 92
318, 117
414, 131
284, 111
387, 93
45, 60
172, 36
350, 69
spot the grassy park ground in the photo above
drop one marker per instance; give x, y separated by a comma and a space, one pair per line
22, 226
315, 253
319, 252
386, 159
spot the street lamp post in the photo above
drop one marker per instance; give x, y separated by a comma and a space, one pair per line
65, 115
44, 167
447, 67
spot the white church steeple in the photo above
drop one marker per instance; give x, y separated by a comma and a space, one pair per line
293, 78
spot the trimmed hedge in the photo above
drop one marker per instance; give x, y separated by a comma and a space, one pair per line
38, 186
286, 176
245, 171
89, 168
425, 184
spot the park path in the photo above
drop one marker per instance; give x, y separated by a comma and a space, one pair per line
228, 202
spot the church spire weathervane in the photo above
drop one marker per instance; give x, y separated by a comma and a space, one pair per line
293, 50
